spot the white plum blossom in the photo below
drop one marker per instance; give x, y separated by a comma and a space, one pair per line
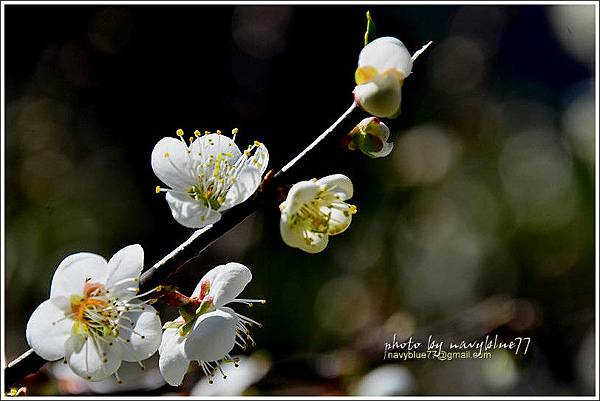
94, 318
207, 330
314, 210
370, 137
208, 176
382, 67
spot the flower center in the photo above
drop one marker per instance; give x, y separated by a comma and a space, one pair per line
92, 312
316, 215
99, 313
216, 175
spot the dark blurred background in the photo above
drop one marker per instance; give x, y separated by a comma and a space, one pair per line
481, 221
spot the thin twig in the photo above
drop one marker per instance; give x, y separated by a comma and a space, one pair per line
191, 248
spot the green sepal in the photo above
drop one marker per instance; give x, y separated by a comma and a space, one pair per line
186, 314
186, 328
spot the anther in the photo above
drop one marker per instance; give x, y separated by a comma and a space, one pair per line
179, 132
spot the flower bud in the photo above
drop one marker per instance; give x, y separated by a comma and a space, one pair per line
370, 137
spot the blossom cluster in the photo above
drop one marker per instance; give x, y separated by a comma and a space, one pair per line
96, 318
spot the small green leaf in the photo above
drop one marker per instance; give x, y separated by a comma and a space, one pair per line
186, 328
186, 314
370, 33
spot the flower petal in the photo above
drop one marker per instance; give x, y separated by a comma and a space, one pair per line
339, 220
145, 323
374, 126
91, 358
124, 269
300, 194
364, 74
291, 235
317, 242
48, 331
212, 337
172, 363
172, 163
386, 150
248, 179
213, 145
226, 282
386, 53
308, 241
72, 273
189, 212
339, 184
381, 96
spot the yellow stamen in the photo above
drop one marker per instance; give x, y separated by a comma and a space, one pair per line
157, 189
179, 132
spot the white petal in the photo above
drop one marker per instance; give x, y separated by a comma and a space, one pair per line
189, 212
226, 282
339, 184
318, 242
92, 359
172, 363
124, 266
147, 324
381, 96
48, 331
213, 144
386, 53
386, 150
71, 274
172, 163
292, 236
300, 194
212, 337
375, 127
339, 220
248, 179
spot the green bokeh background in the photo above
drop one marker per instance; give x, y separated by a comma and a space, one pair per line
481, 221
